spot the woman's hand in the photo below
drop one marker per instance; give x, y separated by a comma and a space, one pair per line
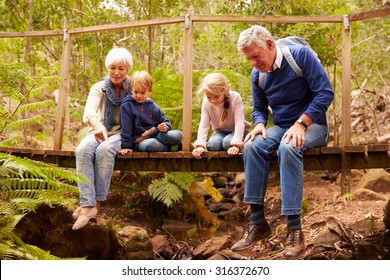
125, 151
100, 133
233, 150
197, 152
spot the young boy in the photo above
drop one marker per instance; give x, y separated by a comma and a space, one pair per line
144, 126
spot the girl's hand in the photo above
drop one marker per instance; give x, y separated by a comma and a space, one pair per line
125, 151
197, 152
162, 127
233, 150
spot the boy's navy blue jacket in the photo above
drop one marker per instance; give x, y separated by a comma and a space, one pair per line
136, 118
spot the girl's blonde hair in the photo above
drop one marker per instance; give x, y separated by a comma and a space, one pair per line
217, 84
141, 80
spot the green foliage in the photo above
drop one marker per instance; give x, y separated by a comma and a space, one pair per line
170, 188
21, 99
24, 186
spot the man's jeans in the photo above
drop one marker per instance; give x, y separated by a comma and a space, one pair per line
96, 161
257, 156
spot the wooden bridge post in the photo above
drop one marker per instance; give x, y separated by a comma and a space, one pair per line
346, 106
187, 84
63, 92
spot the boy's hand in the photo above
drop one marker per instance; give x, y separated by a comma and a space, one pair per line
162, 127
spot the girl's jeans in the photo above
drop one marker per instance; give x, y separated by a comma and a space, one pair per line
220, 140
96, 161
257, 156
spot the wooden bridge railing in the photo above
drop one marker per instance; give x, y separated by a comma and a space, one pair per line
345, 157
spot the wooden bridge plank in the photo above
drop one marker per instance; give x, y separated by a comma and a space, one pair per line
362, 157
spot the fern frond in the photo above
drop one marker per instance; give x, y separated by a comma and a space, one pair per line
10, 141
164, 191
36, 106
182, 179
12, 93
25, 122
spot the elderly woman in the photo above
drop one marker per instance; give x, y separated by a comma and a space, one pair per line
95, 155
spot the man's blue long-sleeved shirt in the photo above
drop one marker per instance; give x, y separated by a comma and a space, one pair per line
136, 118
289, 95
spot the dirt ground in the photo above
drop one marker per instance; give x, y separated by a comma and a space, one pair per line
335, 226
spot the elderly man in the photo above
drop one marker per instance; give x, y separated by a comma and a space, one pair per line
299, 104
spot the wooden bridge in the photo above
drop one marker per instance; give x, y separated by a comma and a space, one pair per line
343, 158
326, 158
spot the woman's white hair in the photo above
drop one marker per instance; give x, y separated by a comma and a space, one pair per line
119, 55
254, 34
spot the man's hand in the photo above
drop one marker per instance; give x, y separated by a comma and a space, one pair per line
297, 134
125, 151
259, 129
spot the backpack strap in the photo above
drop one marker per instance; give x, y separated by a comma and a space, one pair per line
291, 61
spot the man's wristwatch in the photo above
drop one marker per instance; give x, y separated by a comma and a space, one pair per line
301, 122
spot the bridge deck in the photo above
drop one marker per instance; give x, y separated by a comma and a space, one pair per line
326, 158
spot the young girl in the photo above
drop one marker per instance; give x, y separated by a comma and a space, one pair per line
222, 109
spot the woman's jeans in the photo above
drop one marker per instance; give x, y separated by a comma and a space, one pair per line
220, 140
162, 142
257, 157
96, 161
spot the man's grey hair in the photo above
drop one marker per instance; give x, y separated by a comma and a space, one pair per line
254, 34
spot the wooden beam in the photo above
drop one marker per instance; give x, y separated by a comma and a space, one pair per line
270, 19
125, 25
326, 158
187, 84
370, 15
63, 91
44, 33
346, 105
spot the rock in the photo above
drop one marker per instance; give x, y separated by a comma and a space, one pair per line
327, 238
239, 179
220, 181
211, 246
51, 229
137, 243
162, 246
377, 180
366, 194
386, 217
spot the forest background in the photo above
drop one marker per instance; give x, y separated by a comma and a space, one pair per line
214, 50
30, 69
